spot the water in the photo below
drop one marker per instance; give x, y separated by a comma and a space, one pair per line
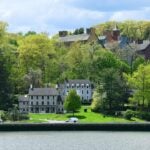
74, 140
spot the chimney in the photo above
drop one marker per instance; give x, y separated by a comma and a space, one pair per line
116, 33
31, 87
90, 30
63, 33
108, 35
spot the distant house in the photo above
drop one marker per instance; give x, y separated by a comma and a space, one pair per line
41, 100
145, 50
89, 36
109, 36
112, 39
84, 89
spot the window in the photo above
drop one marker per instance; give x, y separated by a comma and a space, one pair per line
47, 103
23, 103
87, 92
42, 103
37, 97
31, 103
37, 103
53, 97
82, 85
72, 85
31, 97
82, 91
47, 97
31, 109
53, 103
42, 109
42, 97
87, 85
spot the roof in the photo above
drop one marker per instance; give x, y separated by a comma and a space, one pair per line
78, 81
43, 91
23, 98
102, 37
75, 38
142, 46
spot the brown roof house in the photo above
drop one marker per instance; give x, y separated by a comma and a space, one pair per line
89, 36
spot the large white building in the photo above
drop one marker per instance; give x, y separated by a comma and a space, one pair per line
41, 100
50, 100
84, 89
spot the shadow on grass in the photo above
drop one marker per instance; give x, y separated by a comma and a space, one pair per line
77, 116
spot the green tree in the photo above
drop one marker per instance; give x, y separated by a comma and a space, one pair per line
34, 77
72, 101
98, 100
140, 84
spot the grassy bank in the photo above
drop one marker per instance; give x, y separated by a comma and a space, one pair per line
84, 117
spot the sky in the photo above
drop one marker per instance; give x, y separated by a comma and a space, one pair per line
52, 16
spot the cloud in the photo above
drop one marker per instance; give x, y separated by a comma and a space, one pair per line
44, 14
55, 15
131, 15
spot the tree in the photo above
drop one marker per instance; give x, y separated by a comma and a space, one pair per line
35, 51
72, 101
98, 100
34, 77
5, 84
140, 85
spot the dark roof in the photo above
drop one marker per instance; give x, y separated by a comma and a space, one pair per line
75, 38
43, 91
78, 81
23, 98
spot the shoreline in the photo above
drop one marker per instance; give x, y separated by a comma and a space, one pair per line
75, 127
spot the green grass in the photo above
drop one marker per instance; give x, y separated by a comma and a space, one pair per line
84, 117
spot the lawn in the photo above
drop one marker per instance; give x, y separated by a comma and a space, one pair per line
84, 117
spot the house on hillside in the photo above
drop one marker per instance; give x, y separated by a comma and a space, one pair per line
84, 89
111, 39
89, 36
41, 100
109, 36
144, 50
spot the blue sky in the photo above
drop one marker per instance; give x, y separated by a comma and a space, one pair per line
54, 15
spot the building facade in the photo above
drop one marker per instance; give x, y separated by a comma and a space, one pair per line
50, 100
84, 89
88, 37
41, 100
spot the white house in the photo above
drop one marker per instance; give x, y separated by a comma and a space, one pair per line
41, 100
84, 89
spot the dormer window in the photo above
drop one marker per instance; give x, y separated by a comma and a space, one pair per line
82, 85
67, 85
72, 85
77, 85
87, 85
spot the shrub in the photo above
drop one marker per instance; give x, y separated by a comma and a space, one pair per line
4, 116
143, 115
129, 114
24, 117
